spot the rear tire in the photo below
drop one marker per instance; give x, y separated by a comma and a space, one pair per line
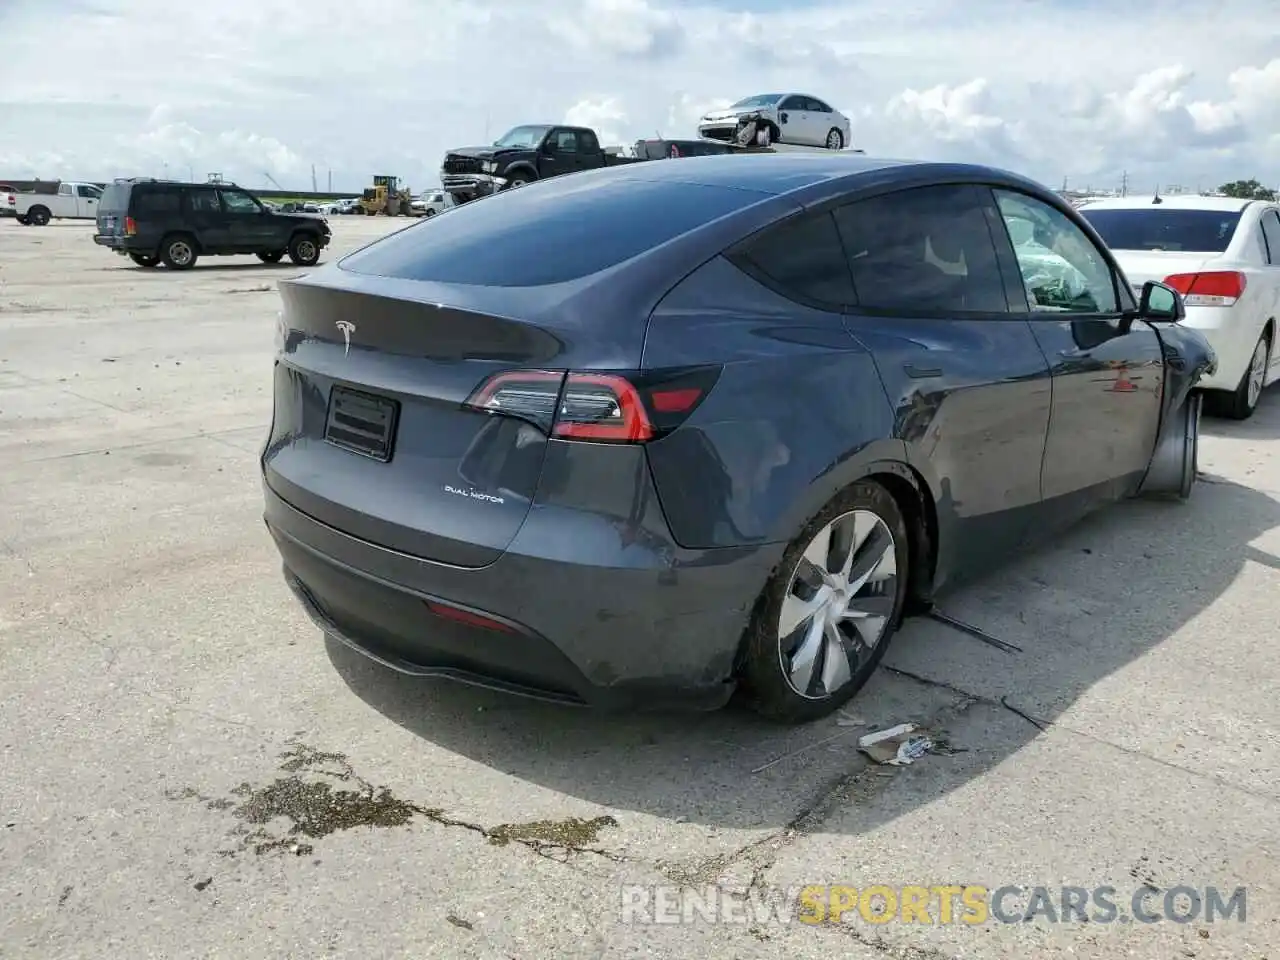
812, 645
39, 216
304, 249
1243, 401
143, 260
179, 252
275, 256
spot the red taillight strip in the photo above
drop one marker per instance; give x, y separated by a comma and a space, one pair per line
635, 426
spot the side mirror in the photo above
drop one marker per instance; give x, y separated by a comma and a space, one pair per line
1161, 302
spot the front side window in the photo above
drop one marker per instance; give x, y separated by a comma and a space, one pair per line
88, 192
803, 259
927, 250
566, 141
1062, 269
234, 201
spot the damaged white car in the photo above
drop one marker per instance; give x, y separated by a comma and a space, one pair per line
769, 118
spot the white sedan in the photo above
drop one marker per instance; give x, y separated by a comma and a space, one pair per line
795, 118
1223, 256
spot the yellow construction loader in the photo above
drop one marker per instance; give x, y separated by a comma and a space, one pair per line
386, 197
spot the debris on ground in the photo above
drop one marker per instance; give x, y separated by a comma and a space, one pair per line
896, 746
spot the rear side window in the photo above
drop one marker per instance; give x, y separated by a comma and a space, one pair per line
154, 202
1197, 231
548, 232
926, 250
203, 201
1271, 233
802, 259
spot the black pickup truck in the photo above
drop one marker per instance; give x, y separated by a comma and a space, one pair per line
537, 151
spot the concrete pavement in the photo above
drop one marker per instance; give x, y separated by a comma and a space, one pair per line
187, 769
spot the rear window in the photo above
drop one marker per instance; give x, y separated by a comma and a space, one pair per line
546, 233
1197, 231
115, 199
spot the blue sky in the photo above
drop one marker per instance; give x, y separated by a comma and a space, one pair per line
1164, 92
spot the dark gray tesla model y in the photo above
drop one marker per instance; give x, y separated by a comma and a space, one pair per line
644, 435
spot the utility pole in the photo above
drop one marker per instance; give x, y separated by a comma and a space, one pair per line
1124, 183
331, 181
314, 188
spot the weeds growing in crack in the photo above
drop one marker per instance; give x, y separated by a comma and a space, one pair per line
315, 809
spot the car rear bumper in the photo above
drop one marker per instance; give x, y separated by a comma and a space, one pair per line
651, 627
118, 244
1232, 336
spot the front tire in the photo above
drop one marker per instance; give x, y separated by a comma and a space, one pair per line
518, 180
835, 140
827, 616
1243, 401
304, 250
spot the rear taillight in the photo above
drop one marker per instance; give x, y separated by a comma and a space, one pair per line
1221, 288
130, 227
11, 200
605, 407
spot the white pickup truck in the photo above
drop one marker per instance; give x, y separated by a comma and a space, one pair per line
73, 201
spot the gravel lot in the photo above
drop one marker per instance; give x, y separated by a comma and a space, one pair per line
168, 714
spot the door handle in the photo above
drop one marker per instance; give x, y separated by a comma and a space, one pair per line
916, 372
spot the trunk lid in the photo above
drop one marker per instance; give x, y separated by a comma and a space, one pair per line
370, 434
1139, 266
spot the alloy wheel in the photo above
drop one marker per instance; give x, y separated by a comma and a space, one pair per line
1257, 372
306, 250
180, 252
838, 605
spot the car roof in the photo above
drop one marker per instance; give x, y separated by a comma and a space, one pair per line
1179, 201
804, 177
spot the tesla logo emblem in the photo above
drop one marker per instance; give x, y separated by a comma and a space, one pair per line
347, 328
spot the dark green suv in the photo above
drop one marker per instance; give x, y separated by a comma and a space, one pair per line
160, 221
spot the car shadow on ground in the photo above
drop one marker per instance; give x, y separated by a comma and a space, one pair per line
1071, 606
1263, 425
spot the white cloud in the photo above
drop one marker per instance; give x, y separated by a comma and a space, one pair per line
250, 88
604, 114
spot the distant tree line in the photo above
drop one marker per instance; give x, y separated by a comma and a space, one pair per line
1247, 190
